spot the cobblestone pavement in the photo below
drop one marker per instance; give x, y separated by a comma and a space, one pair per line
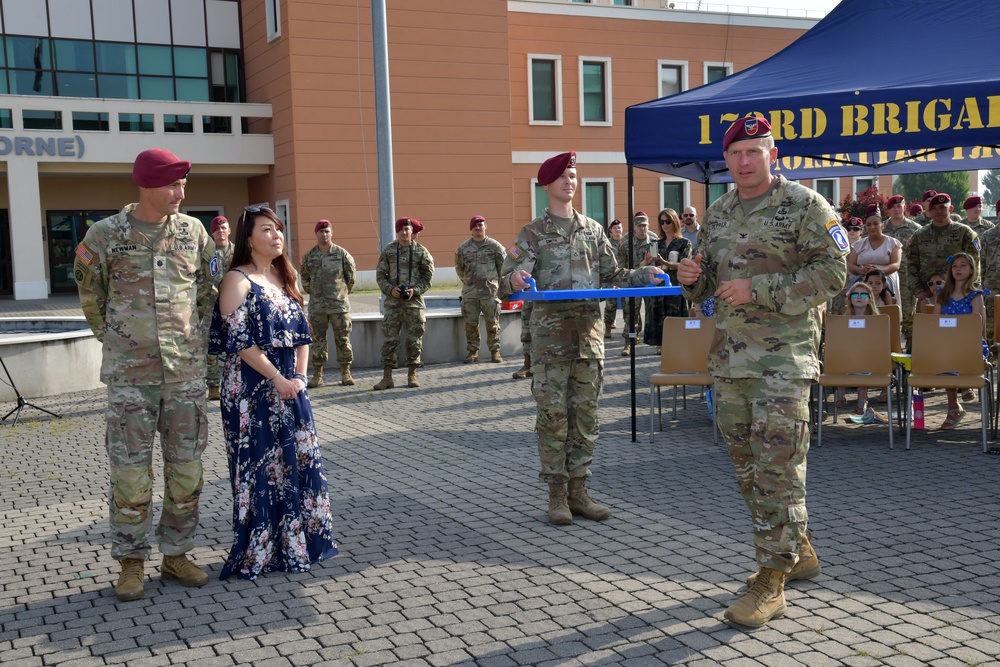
446, 557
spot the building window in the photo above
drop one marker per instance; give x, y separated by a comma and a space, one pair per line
217, 124
717, 71
828, 188
6, 119
273, 10
716, 190
539, 198
135, 122
41, 120
545, 90
673, 77
862, 184
597, 202
180, 124
87, 121
622, 3
675, 194
595, 91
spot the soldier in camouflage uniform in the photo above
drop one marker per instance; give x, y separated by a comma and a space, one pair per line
524, 371
611, 305
220, 264
404, 272
929, 249
643, 243
477, 262
989, 258
772, 253
901, 228
145, 281
328, 277
973, 207
564, 249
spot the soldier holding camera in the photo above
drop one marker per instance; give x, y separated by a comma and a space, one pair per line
404, 272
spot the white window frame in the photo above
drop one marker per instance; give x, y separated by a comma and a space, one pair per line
610, 183
683, 64
674, 179
609, 112
272, 9
531, 89
854, 184
281, 210
704, 72
836, 189
534, 200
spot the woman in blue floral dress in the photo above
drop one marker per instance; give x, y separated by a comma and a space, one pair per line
281, 507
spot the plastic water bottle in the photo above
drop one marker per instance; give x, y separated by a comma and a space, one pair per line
918, 408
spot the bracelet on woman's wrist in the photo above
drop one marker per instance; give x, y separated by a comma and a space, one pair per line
299, 376
276, 372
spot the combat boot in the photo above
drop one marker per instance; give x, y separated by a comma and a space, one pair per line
808, 566
213, 393
581, 504
765, 600
345, 375
524, 371
625, 350
386, 381
559, 514
495, 357
317, 378
411, 377
183, 570
131, 580
472, 357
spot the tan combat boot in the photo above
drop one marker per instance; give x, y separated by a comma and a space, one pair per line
471, 358
183, 570
582, 504
213, 393
625, 350
345, 375
808, 566
317, 378
495, 357
524, 371
559, 514
131, 580
765, 600
386, 381
411, 377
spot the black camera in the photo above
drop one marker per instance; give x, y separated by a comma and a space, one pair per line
405, 292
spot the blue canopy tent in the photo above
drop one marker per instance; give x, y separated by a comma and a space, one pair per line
890, 86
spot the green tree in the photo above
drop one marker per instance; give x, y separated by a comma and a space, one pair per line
955, 183
991, 190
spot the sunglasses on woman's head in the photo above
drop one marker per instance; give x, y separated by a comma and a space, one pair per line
257, 209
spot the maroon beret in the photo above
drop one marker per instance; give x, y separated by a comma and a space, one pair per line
217, 222
618, 222
748, 127
320, 225
157, 167
916, 209
893, 200
554, 167
871, 209
476, 219
412, 222
997, 205
928, 195
854, 223
972, 202
940, 198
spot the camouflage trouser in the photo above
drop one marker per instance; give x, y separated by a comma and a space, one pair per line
765, 425
526, 326
342, 325
566, 394
398, 319
213, 373
610, 313
638, 317
490, 310
134, 415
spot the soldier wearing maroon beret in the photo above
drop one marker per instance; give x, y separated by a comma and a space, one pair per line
973, 207
146, 281
772, 253
563, 249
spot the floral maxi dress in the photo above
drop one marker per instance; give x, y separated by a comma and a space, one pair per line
281, 507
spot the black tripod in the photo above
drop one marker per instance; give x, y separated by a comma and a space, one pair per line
16, 411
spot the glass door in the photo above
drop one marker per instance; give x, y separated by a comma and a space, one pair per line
6, 254
65, 231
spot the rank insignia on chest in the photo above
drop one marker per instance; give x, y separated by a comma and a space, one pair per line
514, 252
743, 236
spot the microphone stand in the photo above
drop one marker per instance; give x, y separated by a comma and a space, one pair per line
21, 403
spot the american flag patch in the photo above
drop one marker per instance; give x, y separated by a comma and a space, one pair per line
85, 255
514, 251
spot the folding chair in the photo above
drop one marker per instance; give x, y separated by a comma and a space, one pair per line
900, 360
948, 353
683, 362
856, 354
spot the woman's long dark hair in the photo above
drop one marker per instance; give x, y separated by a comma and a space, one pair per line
241, 251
